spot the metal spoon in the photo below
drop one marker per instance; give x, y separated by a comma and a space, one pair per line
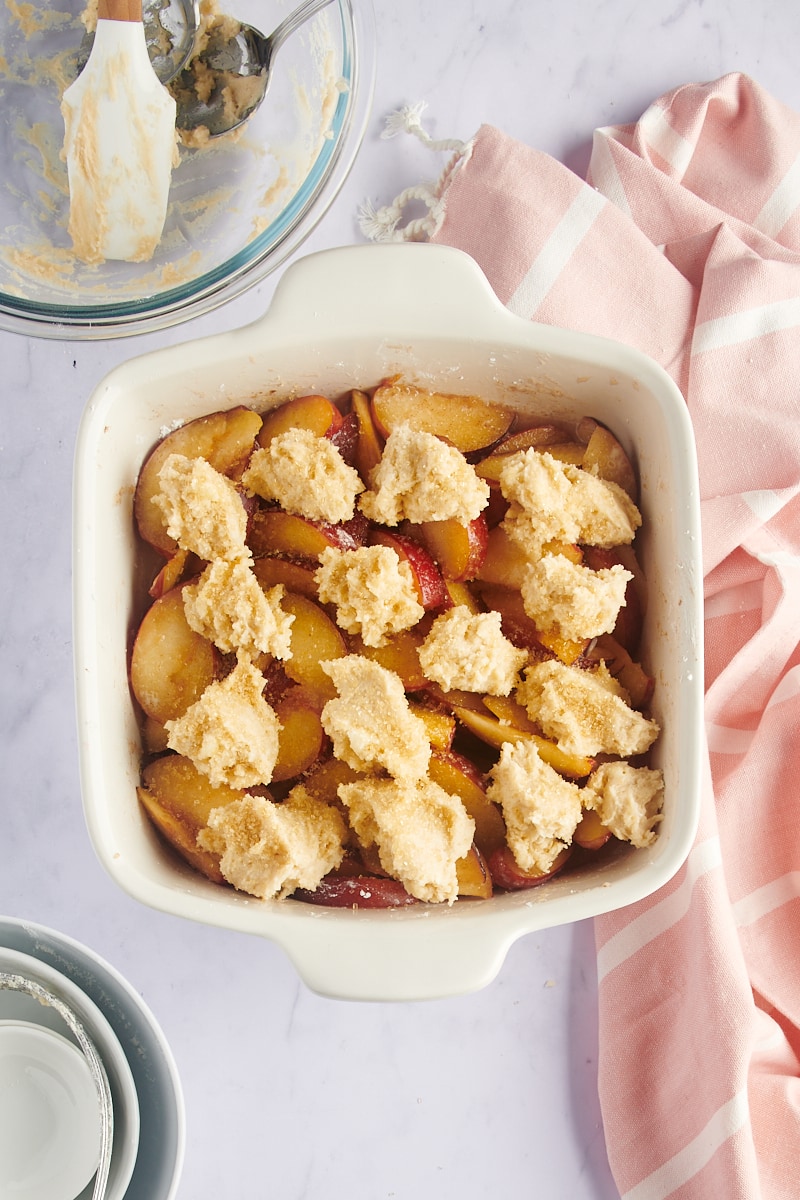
248, 56
170, 27
21, 983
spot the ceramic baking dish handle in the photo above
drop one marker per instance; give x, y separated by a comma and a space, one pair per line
410, 286
415, 954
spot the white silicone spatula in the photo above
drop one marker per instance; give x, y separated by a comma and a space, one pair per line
119, 142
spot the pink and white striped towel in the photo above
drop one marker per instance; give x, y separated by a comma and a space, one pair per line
685, 242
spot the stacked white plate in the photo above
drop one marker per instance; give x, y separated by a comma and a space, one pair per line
49, 1111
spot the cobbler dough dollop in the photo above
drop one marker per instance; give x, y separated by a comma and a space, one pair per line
541, 809
370, 723
554, 501
469, 651
421, 478
571, 600
306, 474
627, 800
228, 606
586, 712
420, 830
230, 733
373, 590
202, 510
268, 849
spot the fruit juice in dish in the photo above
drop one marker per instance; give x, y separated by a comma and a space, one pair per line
457, 705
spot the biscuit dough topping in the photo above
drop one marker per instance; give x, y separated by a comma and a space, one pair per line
268, 849
306, 474
202, 509
627, 800
551, 500
584, 711
374, 592
469, 651
420, 830
230, 733
571, 599
370, 724
421, 478
228, 606
541, 809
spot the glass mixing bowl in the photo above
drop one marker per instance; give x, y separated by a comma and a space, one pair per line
238, 206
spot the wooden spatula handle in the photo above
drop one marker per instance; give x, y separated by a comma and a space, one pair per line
119, 10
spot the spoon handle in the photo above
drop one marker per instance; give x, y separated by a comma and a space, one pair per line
294, 20
9, 981
119, 10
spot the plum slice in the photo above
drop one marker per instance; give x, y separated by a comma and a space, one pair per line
171, 665
458, 549
315, 413
357, 891
225, 439
507, 875
469, 423
460, 777
178, 800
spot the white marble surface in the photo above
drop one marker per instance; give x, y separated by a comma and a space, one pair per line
290, 1096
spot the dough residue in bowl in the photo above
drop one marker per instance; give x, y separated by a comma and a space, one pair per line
225, 194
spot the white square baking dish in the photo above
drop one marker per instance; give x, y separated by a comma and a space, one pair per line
339, 320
